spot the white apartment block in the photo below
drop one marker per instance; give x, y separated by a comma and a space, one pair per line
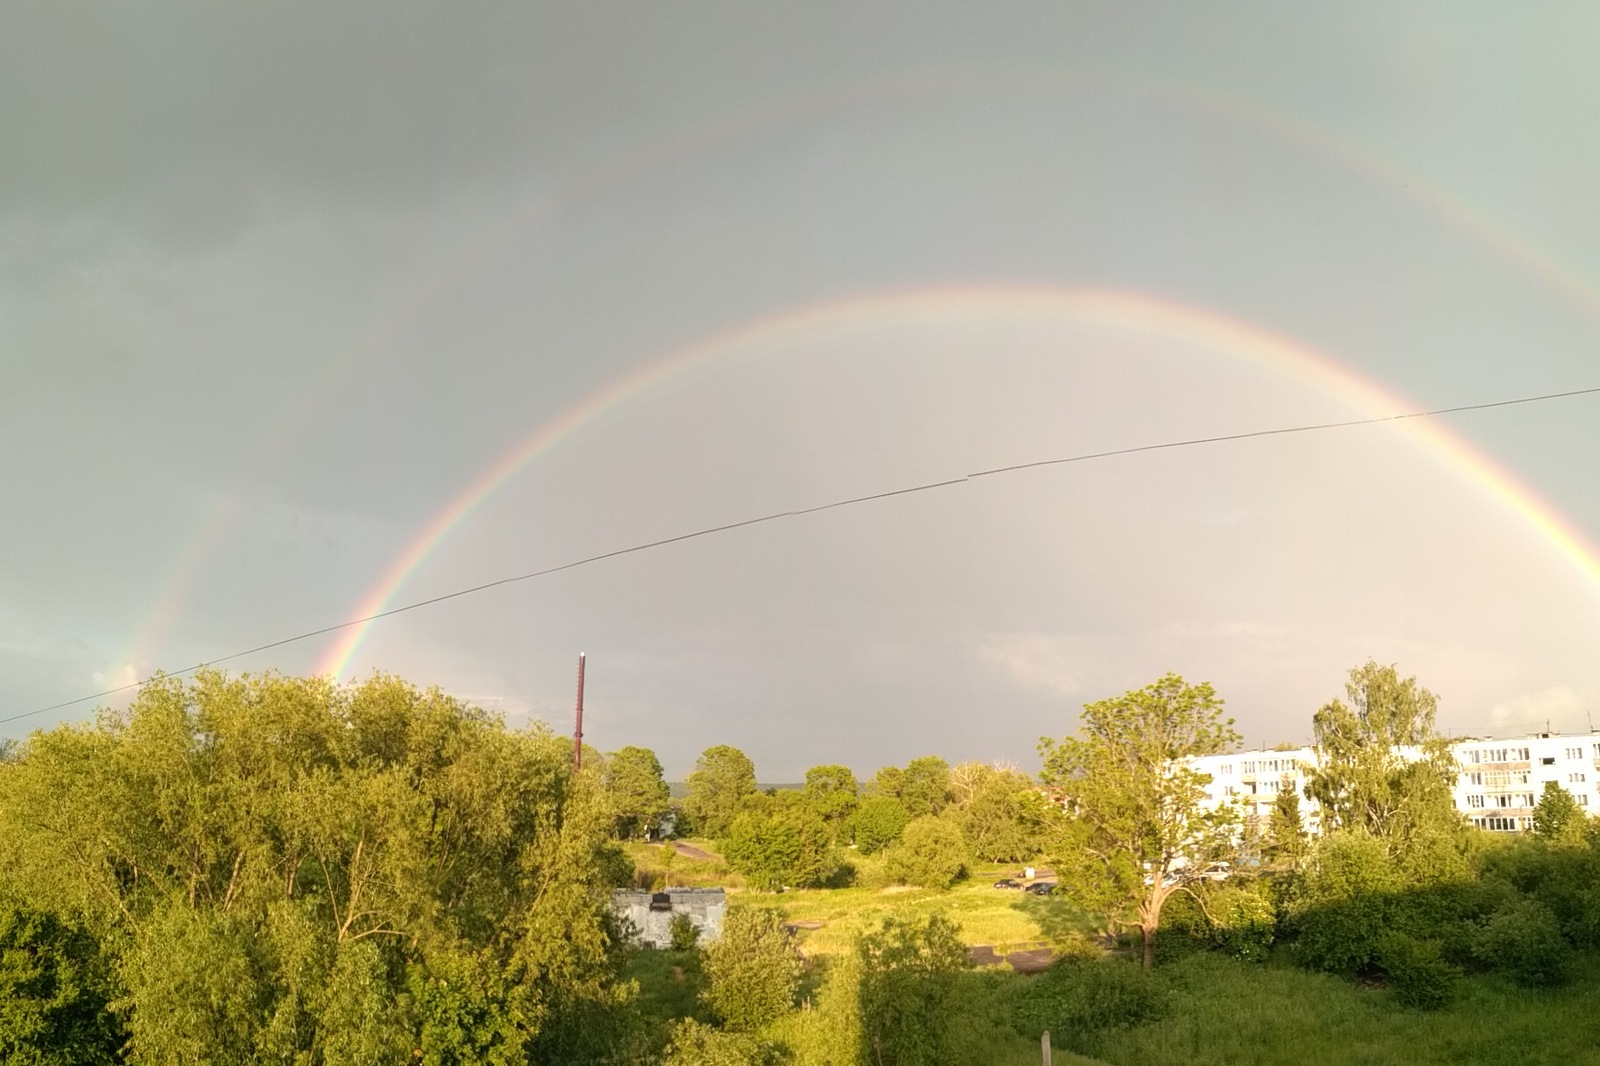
1497, 787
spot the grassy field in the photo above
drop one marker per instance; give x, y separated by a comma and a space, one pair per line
1005, 919
1225, 1012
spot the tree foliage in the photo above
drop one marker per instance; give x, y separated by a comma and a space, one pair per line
55, 990
832, 795
753, 969
788, 848
1136, 826
1382, 766
931, 853
1557, 815
879, 823
908, 973
722, 780
637, 790
287, 870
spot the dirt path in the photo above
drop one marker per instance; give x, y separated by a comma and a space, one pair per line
1029, 960
689, 851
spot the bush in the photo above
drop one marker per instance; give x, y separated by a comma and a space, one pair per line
752, 968
1077, 999
932, 853
1341, 906
1417, 975
1523, 941
908, 974
683, 932
695, 1044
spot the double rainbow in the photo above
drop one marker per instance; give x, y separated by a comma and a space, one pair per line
1131, 311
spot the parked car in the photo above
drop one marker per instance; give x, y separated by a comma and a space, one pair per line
1006, 882
1041, 888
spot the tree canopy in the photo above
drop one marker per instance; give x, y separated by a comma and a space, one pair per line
722, 779
637, 790
1382, 766
289, 870
1136, 828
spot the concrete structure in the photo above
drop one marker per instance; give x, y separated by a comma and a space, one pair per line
1497, 788
650, 914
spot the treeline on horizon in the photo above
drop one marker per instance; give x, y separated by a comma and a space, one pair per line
275, 869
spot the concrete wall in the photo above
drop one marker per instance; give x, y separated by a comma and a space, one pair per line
652, 924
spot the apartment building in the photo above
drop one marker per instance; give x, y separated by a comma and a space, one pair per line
1497, 787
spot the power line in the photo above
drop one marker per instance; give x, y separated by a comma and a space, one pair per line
797, 512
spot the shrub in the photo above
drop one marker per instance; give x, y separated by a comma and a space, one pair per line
931, 853
1417, 975
908, 975
775, 850
1341, 905
1077, 999
695, 1044
752, 968
1523, 940
683, 932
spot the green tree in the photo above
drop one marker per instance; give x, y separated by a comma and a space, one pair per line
1286, 832
722, 780
1137, 825
752, 969
290, 870
925, 788
832, 794
908, 974
637, 790
1382, 766
55, 990
879, 823
931, 853
788, 848
994, 819
1558, 816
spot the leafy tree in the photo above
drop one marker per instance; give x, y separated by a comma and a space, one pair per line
637, 790
55, 989
1382, 766
722, 780
752, 968
1137, 826
994, 819
930, 853
1286, 832
289, 870
908, 982
1557, 816
925, 788
879, 823
832, 794
788, 848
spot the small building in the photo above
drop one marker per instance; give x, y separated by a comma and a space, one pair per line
650, 914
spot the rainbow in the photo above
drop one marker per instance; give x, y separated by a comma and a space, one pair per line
366, 345
1131, 311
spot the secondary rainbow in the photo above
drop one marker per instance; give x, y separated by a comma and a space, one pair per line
1132, 311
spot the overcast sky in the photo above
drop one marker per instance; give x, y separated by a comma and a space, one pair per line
278, 283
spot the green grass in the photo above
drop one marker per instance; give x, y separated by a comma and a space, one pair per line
1226, 1012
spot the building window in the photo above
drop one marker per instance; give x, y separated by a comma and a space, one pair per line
1574, 753
1474, 801
1582, 798
1577, 777
1548, 760
1476, 777
1225, 768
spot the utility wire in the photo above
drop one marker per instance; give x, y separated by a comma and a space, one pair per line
797, 512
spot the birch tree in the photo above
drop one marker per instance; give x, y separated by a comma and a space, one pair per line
1134, 826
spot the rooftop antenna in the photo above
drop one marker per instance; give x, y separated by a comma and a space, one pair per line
577, 729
